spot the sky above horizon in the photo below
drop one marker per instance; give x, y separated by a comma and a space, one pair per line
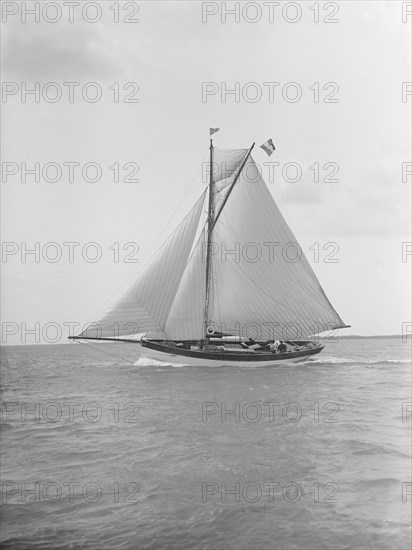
352, 123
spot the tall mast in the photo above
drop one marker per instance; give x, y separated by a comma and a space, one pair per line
211, 222
209, 240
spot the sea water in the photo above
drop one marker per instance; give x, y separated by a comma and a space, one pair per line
101, 450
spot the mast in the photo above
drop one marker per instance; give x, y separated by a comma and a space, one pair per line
211, 222
209, 240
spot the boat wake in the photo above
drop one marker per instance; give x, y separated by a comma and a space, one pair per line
327, 361
146, 362
347, 361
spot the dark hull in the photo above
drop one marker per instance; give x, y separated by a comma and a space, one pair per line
222, 357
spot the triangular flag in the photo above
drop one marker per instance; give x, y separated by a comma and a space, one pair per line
268, 147
213, 130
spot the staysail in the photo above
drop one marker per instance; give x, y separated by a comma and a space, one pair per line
260, 285
185, 321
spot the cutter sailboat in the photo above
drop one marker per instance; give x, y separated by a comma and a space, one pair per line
229, 288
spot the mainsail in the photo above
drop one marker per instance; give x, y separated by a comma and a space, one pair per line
260, 284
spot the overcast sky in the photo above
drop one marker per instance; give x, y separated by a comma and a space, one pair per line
169, 53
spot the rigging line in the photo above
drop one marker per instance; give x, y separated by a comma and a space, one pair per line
227, 227
133, 275
105, 352
331, 331
308, 291
126, 283
180, 203
195, 246
233, 185
308, 270
261, 289
176, 228
215, 295
306, 266
281, 306
278, 196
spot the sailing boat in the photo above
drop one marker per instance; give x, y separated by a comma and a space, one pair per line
229, 288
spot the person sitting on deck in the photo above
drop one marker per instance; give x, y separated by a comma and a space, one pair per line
282, 347
248, 344
274, 347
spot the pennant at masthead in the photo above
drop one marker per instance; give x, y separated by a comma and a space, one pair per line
268, 147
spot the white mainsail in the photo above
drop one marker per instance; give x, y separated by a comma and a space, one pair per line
261, 284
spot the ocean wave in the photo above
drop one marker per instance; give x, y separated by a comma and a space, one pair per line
147, 362
348, 361
381, 483
6, 427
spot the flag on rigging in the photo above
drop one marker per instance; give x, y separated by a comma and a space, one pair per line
213, 130
268, 147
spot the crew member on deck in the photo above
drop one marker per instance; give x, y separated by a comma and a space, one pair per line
282, 347
274, 346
